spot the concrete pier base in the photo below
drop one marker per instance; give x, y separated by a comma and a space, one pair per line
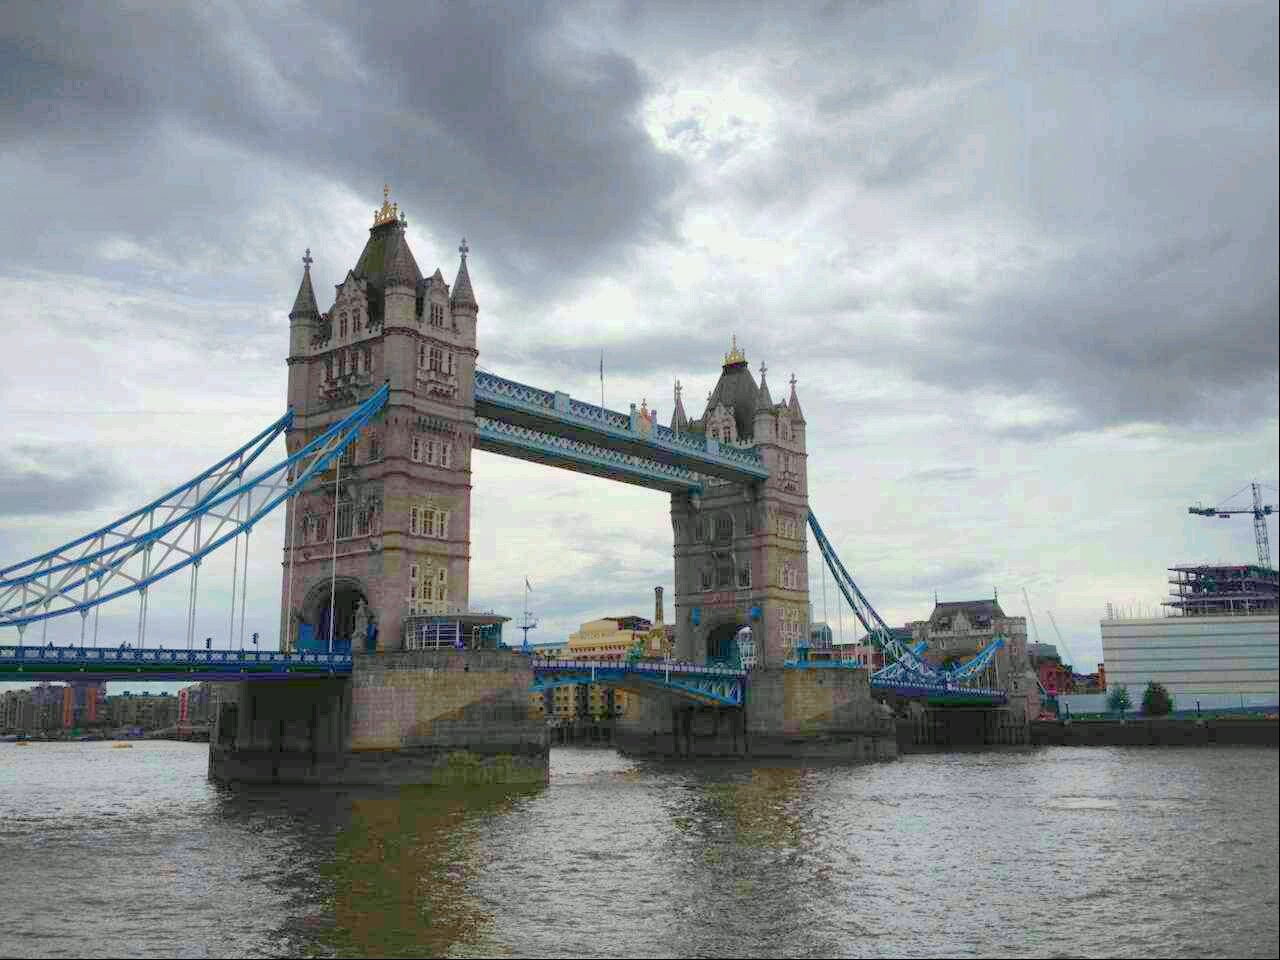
456, 717
826, 715
928, 729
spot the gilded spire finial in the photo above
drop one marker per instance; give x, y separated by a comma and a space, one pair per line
793, 383
389, 211
463, 248
306, 260
735, 355
678, 388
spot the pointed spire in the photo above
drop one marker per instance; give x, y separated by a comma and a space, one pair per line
794, 402
462, 293
765, 401
401, 269
679, 419
304, 304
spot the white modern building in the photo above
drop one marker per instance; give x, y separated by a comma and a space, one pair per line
1221, 661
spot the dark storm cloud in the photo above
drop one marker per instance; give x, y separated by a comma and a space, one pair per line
485, 120
45, 481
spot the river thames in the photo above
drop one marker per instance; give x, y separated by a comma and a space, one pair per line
1134, 852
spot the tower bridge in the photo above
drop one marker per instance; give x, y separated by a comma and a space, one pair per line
385, 406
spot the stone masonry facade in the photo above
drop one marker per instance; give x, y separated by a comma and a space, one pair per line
402, 520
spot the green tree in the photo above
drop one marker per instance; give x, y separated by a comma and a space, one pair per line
1118, 699
1156, 701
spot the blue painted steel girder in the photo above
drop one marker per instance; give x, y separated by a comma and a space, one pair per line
132, 663
525, 443
558, 414
720, 687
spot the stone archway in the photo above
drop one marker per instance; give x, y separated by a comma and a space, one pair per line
348, 592
721, 647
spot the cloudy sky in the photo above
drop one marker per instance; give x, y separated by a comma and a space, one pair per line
1021, 259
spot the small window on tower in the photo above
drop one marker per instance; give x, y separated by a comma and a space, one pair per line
422, 356
415, 450
342, 326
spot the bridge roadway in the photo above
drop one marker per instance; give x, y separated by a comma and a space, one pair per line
712, 684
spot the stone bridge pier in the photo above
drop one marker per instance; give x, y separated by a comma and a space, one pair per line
410, 717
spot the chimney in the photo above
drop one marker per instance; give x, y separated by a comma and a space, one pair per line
657, 606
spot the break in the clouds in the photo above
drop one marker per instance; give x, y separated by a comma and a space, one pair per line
1021, 258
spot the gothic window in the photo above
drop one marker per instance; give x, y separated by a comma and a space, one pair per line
446, 454
428, 588
448, 362
346, 512
422, 356
414, 528
429, 522
744, 576
724, 527
442, 524
434, 358
437, 315
415, 449
322, 529
342, 326
442, 584
363, 516
413, 581
433, 448
724, 572
375, 447
355, 321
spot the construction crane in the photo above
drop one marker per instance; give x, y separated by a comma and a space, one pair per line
1027, 601
1061, 643
1260, 513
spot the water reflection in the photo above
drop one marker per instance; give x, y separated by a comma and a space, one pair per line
398, 876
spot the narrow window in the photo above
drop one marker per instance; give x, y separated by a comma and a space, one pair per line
413, 520
342, 326
434, 358
375, 447
322, 530
432, 447
362, 521
428, 522
415, 450
446, 453
442, 524
422, 356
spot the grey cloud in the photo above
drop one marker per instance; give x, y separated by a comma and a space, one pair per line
40, 481
941, 474
525, 142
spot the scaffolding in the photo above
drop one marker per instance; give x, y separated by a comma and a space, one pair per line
1212, 590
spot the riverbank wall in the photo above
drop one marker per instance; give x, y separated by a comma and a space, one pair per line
1157, 731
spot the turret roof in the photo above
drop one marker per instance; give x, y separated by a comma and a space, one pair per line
462, 292
794, 403
736, 388
304, 304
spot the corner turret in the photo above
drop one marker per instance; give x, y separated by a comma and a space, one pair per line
679, 419
304, 318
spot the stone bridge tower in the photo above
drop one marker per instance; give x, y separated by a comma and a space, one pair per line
401, 520
741, 556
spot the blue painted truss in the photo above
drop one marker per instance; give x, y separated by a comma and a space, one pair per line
713, 686
131, 663
558, 414
167, 536
905, 667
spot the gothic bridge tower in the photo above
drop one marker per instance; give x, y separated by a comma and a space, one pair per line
398, 510
741, 556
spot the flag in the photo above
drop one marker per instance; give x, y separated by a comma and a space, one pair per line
527, 585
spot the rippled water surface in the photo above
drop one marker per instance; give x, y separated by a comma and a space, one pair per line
1058, 852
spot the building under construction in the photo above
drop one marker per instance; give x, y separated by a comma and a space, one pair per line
1208, 590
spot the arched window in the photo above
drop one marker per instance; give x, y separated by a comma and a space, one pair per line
724, 527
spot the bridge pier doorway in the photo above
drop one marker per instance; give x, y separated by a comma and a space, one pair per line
314, 630
721, 643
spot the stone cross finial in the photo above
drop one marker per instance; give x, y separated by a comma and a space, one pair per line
763, 369
463, 248
793, 383
306, 259
677, 389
